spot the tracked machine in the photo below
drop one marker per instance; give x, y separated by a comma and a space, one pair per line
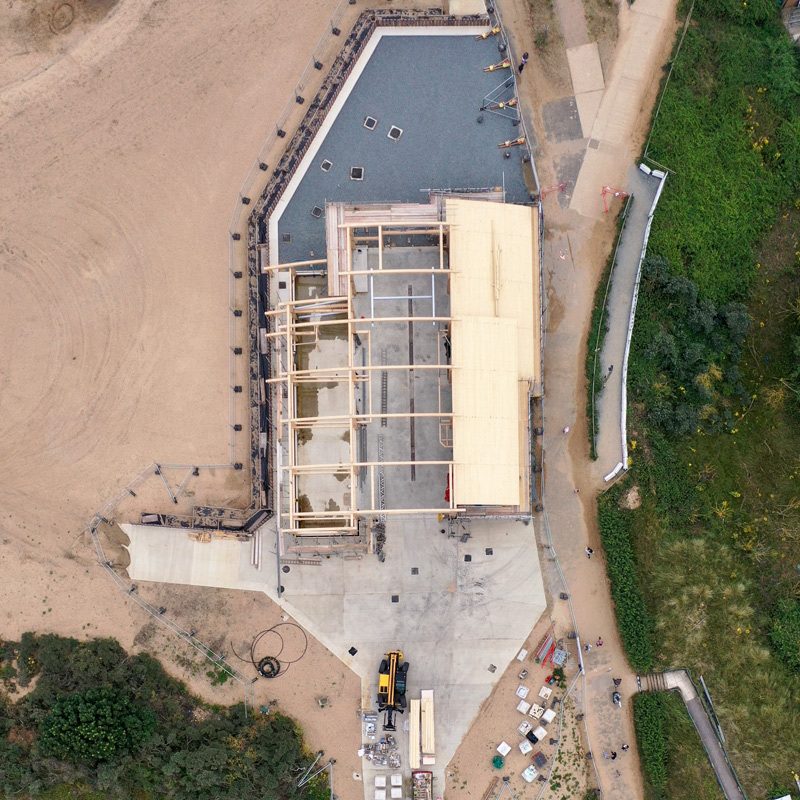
392, 687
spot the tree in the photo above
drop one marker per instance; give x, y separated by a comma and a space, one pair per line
700, 317
664, 350
738, 321
655, 271
95, 725
681, 290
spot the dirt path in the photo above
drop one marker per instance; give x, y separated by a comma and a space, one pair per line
578, 239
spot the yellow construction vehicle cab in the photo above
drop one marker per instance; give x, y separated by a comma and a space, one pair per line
392, 682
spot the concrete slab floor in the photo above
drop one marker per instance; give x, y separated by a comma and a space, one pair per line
453, 617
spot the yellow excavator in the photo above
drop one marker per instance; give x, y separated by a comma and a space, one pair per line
392, 687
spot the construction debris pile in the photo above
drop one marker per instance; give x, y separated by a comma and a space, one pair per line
382, 753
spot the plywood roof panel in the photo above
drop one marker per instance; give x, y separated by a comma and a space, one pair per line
486, 468
494, 249
494, 300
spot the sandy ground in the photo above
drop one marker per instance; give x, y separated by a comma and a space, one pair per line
125, 133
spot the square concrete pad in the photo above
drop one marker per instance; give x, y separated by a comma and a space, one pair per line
561, 120
588, 103
585, 69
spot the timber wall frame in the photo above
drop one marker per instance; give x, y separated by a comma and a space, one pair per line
261, 426
289, 324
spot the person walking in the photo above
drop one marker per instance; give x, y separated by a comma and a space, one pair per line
523, 62
599, 642
587, 648
625, 748
566, 430
589, 552
613, 754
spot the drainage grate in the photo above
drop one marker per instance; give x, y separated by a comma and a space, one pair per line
395, 598
467, 557
415, 570
326, 165
395, 132
316, 212
356, 173
286, 238
370, 123
489, 551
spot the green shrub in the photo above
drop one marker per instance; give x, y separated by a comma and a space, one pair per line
633, 619
98, 725
784, 634
649, 721
27, 660
116, 726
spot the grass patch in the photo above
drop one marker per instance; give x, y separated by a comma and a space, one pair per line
649, 717
714, 383
633, 619
670, 748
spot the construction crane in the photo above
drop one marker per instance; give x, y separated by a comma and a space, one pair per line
392, 675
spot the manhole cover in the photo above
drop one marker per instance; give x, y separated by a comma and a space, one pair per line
326, 165
286, 238
370, 123
395, 132
356, 173
316, 212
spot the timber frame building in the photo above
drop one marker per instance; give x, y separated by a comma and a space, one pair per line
403, 366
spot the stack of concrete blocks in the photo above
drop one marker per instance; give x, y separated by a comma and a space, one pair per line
397, 786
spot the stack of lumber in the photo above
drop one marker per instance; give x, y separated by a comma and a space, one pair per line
336, 246
223, 534
200, 536
369, 216
426, 726
413, 734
